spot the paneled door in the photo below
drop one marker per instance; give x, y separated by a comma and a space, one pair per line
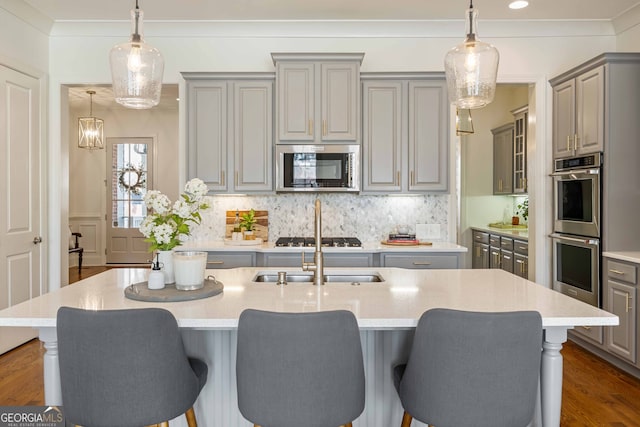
20, 208
129, 171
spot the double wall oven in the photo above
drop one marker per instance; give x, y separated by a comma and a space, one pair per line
577, 191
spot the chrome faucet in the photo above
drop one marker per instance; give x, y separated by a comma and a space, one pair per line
317, 266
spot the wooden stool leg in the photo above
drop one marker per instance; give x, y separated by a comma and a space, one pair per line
348, 425
406, 420
191, 417
164, 424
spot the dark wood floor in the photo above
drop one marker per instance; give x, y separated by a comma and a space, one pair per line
595, 393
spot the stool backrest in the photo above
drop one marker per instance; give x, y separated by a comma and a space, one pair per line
473, 369
299, 369
123, 367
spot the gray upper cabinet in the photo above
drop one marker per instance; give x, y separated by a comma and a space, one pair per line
520, 117
503, 159
578, 113
405, 133
317, 97
230, 131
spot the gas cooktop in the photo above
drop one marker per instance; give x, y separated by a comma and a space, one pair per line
337, 242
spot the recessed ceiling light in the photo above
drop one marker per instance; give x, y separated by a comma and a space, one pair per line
518, 4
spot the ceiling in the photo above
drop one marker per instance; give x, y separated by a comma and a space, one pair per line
207, 10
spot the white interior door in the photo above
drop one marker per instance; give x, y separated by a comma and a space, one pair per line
20, 227
129, 171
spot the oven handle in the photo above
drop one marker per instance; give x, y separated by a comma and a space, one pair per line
577, 172
574, 239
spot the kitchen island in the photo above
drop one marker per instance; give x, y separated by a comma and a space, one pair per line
386, 312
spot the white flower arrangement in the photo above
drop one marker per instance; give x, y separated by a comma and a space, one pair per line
165, 223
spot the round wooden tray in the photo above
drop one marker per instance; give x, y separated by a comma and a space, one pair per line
388, 243
141, 292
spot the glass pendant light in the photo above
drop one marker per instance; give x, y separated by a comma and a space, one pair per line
90, 129
471, 68
136, 69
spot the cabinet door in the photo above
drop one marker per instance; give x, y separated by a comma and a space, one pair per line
564, 114
339, 89
253, 136
590, 111
521, 266
621, 339
207, 133
296, 101
494, 257
480, 255
382, 136
420, 261
428, 136
506, 261
503, 160
520, 153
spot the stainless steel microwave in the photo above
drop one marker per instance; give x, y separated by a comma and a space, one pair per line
330, 167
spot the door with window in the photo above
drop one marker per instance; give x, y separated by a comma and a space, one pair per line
21, 249
129, 172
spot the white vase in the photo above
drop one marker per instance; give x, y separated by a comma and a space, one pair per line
190, 269
166, 263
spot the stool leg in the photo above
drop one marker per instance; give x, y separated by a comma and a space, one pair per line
191, 417
406, 420
80, 260
164, 424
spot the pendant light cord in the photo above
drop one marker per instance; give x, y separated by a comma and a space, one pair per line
135, 37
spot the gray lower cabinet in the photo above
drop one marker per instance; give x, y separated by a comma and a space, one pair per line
230, 131
621, 289
495, 251
480, 250
405, 133
364, 259
217, 260
420, 261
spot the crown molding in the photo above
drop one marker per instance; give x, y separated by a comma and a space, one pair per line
627, 20
23, 11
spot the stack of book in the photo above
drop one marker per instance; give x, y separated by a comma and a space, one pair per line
402, 238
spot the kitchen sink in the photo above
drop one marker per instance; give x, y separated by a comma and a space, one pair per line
297, 277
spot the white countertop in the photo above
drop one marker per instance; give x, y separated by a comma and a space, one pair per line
221, 246
396, 303
631, 256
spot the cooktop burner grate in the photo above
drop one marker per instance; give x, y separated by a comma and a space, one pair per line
338, 242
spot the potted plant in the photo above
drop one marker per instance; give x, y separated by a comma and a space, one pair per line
248, 221
523, 209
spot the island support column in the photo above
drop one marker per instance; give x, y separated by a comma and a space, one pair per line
551, 375
52, 391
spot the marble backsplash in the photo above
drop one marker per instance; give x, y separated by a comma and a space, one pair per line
369, 218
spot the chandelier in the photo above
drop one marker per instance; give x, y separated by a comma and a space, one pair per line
471, 68
90, 129
136, 69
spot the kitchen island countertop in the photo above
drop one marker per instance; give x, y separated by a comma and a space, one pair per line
386, 313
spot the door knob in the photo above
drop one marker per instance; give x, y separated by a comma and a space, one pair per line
37, 240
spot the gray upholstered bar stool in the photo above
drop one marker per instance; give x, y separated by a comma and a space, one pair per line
121, 368
469, 369
299, 369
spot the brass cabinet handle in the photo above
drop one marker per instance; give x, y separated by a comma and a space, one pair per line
568, 142
310, 127
524, 248
622, 273
628, 300
413, 181
588, 328
222, 174
399, 178
324, 128
421, 263
236, 183
575, 142
478, 251
214, 263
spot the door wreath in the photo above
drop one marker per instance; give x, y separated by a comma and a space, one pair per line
132, 179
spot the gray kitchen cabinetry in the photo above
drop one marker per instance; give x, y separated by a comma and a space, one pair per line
494, 251
420, 260
317, 97
405, 133
503, 159
361, 259
480, 250
230, 131
621, 283
521, 258
578, 112
520, 117
506, 254
216, 260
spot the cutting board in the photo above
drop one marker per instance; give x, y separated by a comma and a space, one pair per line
260, 228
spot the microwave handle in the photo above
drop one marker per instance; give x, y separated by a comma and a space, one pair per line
574, 239
577, 171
